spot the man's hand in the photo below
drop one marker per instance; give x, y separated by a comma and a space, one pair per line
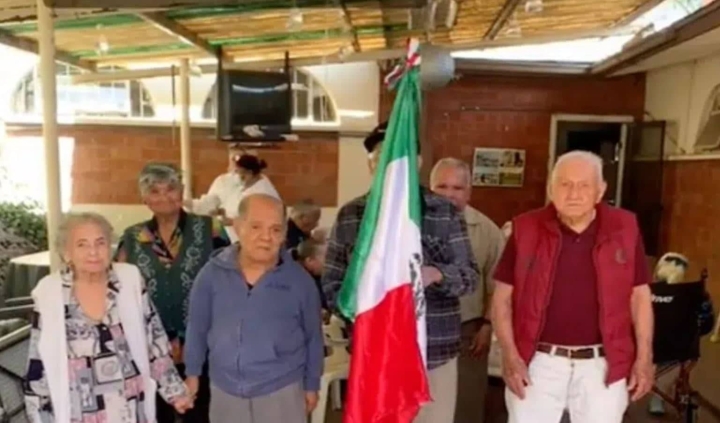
182, 404
311, 400
481, 342
176, 351
515, 374
641, 379
192, 383
188, 204
430, 275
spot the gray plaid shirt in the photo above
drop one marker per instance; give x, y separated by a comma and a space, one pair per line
445, 246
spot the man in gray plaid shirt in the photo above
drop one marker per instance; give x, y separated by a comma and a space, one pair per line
449, 271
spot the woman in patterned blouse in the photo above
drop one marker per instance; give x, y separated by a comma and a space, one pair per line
113, 348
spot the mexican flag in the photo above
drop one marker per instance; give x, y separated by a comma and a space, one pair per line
383, 291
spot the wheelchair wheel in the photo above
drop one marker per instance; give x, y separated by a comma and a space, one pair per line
689, 410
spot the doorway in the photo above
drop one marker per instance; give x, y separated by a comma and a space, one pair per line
602, 135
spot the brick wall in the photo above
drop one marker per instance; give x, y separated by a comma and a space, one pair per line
515, 112
107, 159
691, 209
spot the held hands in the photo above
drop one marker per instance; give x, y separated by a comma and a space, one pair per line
515, 374
430, 275
311, 400
641, 379
182, 404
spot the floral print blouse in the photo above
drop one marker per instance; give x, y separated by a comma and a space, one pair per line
105, 383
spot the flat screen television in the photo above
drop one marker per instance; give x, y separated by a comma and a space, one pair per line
253, 106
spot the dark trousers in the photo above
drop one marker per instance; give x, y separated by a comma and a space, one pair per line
472, 379
199, 413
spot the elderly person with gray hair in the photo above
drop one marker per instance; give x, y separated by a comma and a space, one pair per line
98, 350
572, 307
256, 314
451, 178
304, 218
170, 249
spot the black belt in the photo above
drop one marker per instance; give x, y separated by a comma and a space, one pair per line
572, 353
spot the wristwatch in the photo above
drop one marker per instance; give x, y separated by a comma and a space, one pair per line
484, 321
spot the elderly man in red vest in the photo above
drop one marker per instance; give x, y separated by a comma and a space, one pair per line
572, 307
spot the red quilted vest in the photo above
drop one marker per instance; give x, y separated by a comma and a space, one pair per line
537, 236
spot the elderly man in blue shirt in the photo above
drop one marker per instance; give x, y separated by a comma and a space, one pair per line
256, 314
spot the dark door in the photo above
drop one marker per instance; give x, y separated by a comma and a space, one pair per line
643, 179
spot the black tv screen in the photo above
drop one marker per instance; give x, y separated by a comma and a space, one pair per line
254, 105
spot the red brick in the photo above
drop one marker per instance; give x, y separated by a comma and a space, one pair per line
107, 159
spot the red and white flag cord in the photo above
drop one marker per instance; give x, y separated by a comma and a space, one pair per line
412, 59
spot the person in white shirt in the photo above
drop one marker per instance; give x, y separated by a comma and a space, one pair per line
250, 169
222, 187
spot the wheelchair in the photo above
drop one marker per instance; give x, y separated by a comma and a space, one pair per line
676, 345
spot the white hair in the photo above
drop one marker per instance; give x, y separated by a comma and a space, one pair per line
591, 159
72, 220
452, 163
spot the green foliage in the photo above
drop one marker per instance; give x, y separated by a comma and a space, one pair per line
25, 221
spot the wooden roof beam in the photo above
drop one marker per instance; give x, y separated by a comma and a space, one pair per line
169, 26
32, 46
348, 22
502, 17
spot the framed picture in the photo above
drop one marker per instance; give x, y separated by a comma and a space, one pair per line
498, 167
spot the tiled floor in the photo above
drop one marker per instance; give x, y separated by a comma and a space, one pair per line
705, 379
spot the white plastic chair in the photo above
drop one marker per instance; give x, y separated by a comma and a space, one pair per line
337, 366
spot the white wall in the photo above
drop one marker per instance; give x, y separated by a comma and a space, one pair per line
678, 94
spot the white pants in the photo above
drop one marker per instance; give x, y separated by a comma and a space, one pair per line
443, 390
559, 383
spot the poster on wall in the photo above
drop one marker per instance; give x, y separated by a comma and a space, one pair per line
498, 167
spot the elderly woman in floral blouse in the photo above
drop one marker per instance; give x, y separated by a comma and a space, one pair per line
98, 350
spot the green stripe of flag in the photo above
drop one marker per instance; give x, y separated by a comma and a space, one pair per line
401, 141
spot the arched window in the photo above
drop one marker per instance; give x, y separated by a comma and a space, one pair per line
311, 103
119, 99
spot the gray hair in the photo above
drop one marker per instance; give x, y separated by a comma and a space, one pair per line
305, 208
452, 163
245, 204
308, 248
591, 159
158, 173
73, 220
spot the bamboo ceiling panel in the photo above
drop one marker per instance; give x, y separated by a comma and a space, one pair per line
265, 23
365, 14
120, 37
309, 48
474, 19
570, 15
150, 56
